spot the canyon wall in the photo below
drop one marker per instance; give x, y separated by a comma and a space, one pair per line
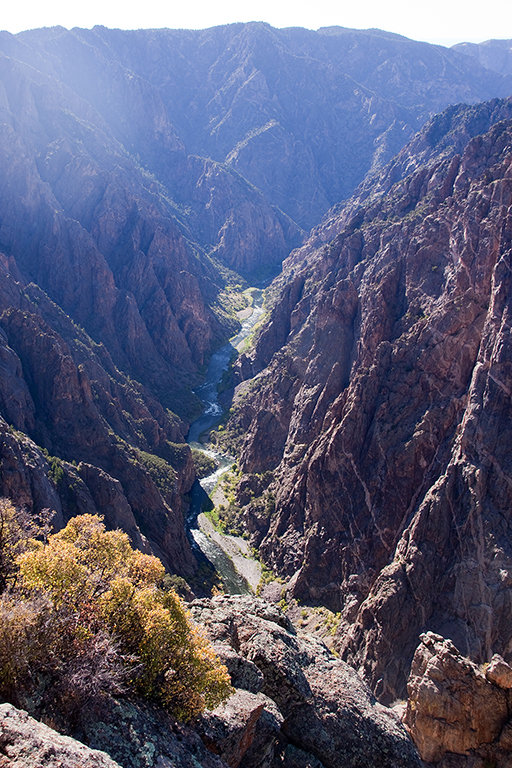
378, 396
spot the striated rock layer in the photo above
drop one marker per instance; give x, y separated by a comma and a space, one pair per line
380, 400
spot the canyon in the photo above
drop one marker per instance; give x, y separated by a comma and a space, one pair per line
148, 178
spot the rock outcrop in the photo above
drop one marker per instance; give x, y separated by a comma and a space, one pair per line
455, 708
295, 705
26, 743
380, 400
298, 704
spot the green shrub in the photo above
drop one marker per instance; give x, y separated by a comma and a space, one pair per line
204, 464
55, 470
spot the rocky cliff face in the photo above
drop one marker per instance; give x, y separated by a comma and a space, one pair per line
110, 447
98, 236
384, 411
458, 712
308, 708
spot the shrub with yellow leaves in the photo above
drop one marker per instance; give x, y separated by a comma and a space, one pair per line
101, 594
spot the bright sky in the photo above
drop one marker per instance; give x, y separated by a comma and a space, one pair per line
438, 21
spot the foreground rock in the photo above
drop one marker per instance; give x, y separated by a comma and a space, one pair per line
302, 705
126, 734
455, 709
26, 743
295, 706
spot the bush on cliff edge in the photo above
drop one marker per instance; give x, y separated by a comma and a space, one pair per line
83, 614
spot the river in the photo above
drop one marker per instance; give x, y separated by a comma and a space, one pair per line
212, 544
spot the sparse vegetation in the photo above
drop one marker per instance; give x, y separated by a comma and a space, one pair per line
55, 471
203, 463
330, 620
162, 474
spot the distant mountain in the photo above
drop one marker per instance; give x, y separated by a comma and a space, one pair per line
493, 54
302, 115
376, 405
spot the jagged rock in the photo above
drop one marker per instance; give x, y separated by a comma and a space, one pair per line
324, 709
452, 707
24, 474
230, 729
265, 750
499, 672
138, 735
380, 399
16, 404
26, 743
78, 406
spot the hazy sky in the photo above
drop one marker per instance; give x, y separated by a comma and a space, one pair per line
440, 21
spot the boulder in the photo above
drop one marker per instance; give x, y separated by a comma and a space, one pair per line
499, 672
26, 743
452, 707
324, 714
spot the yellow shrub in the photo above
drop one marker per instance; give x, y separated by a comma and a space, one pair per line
113, 588
179, 668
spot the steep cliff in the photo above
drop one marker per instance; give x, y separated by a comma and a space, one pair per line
380, 399
77, 435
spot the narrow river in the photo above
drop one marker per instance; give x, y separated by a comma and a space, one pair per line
234, 583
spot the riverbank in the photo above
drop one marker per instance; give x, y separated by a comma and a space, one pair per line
237, 549
229, 555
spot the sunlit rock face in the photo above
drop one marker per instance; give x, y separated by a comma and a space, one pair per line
382, 405
458, 711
